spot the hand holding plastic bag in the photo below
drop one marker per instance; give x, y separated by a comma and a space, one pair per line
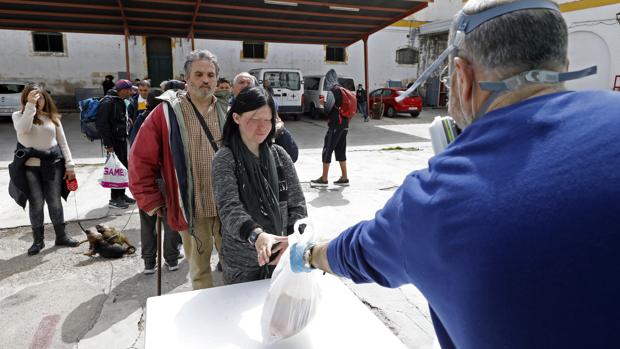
293, 297
114, 173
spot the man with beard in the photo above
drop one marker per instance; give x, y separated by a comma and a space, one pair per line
179, 140
511, 233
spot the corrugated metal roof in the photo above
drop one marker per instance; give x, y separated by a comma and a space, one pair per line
334, 22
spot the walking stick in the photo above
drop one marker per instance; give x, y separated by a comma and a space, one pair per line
158, 228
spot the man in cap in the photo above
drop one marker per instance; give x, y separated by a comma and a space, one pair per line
512, 233
112, 124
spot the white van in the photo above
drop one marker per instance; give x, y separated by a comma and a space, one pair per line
315, 93
287, 85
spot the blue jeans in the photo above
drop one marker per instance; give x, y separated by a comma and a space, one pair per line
362, 108
44, 191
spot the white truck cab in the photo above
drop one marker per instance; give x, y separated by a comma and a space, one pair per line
287, 85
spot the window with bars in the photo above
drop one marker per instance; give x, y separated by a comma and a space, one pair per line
335, 54
48, 42
254, 50
407, 55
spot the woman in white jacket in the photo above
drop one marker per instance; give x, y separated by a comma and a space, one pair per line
42, 142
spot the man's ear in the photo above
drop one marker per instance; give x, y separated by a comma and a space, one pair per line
465, 77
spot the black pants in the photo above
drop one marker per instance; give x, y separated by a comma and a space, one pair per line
44, 191
148, 235
335, 141
120, 149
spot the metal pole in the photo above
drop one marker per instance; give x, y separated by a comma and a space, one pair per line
366, 73
193, 43
127, 53
158, 228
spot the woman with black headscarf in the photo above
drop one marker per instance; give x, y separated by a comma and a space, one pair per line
256, 189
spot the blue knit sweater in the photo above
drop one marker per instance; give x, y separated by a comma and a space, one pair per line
513, 233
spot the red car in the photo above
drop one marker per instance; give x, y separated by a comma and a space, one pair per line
387, 96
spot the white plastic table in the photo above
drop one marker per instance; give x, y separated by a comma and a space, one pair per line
229, 317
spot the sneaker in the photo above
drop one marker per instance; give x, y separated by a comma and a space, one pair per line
149, 268
319, 182
117, 203
128, 200
171, 266
342, 182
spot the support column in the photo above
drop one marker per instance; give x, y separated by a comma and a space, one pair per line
127, 70
193, 43
366, 73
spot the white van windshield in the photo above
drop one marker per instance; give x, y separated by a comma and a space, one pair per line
288, 80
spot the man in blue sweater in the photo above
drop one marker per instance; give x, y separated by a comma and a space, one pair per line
513, 232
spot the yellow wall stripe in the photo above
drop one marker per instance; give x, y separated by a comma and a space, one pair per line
566, 7
408, 24
585, 4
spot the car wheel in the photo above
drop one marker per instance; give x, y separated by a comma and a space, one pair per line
313, 112
390, 112
414, 114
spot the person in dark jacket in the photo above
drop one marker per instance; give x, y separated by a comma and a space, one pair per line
148, 234
256, 189
107, 84
112, 124
336, 136
151, 102
139, 99
362, 105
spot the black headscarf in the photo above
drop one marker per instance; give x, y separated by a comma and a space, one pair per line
257, 177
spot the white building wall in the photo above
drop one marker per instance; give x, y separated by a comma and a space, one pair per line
90, 57
87, 59
310, 59
593, 39
593, 36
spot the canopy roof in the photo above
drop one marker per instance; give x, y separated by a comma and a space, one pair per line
332, 22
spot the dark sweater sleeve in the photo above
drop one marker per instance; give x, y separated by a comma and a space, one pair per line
235, 220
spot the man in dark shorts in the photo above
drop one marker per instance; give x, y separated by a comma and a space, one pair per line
336, 137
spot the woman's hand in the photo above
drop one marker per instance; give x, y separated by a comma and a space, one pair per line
265, 243
33, 97
279, 250
69, 174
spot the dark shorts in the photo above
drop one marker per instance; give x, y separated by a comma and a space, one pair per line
335, 141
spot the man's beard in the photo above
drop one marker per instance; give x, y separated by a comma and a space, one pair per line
201, 93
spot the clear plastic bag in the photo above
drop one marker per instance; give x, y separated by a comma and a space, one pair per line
293, 297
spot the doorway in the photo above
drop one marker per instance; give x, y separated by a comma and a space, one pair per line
159, 59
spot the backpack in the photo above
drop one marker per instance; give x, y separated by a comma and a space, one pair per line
88, 115
349, 103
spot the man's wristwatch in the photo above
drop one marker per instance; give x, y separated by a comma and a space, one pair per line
254, 235
307, 256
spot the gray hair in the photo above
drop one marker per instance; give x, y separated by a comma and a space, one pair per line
198, 55
144, 83
515, 42
245, 75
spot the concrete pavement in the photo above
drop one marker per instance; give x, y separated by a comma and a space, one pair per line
63, 299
